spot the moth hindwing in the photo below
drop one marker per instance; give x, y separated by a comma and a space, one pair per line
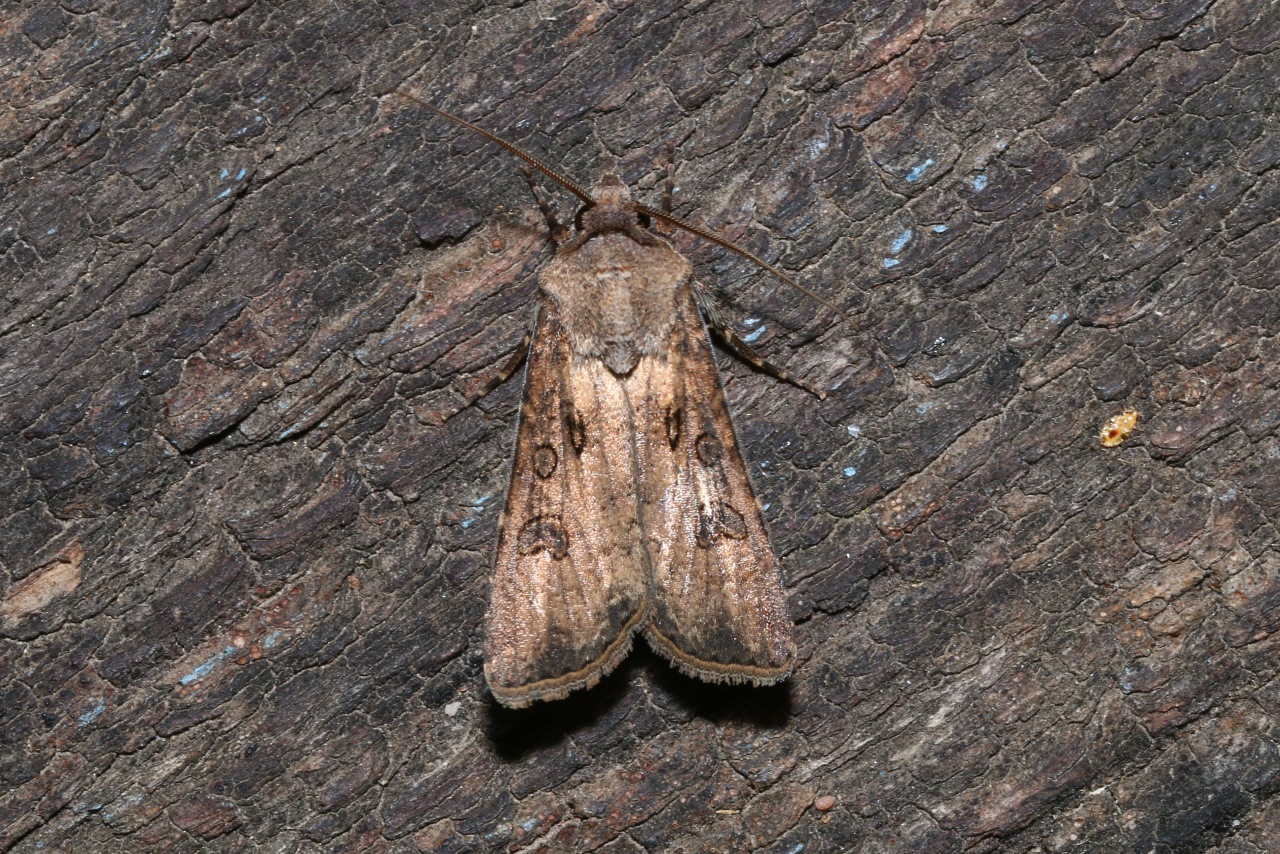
629, 509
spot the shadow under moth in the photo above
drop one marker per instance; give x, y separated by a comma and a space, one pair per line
629, 507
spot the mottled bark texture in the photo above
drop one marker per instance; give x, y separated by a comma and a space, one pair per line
249, 504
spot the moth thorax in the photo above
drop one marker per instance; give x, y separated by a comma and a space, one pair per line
613, 211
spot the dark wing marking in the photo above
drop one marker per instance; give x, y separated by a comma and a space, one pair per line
568, 586
717, 607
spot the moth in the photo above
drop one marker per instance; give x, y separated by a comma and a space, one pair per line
629, 509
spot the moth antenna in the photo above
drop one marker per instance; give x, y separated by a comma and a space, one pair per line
732, 247
527, 158
588, 200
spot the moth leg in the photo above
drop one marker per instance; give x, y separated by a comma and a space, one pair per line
559, 233
742, 349
668, 191
517, 359
512, 364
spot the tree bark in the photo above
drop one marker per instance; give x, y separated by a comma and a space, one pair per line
251, 488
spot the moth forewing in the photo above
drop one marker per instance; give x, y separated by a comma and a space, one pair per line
569, 582
719, 612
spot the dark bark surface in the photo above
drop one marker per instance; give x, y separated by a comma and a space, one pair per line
249, 502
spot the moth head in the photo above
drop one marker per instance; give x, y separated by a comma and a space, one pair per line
614, 209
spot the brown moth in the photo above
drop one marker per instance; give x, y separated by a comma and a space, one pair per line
629, 508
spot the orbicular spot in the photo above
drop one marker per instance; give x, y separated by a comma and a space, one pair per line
675, 422
721, 521
544, 533
708, 448
545, 461
575, 426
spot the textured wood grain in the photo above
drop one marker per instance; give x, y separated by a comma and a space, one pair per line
248, 505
